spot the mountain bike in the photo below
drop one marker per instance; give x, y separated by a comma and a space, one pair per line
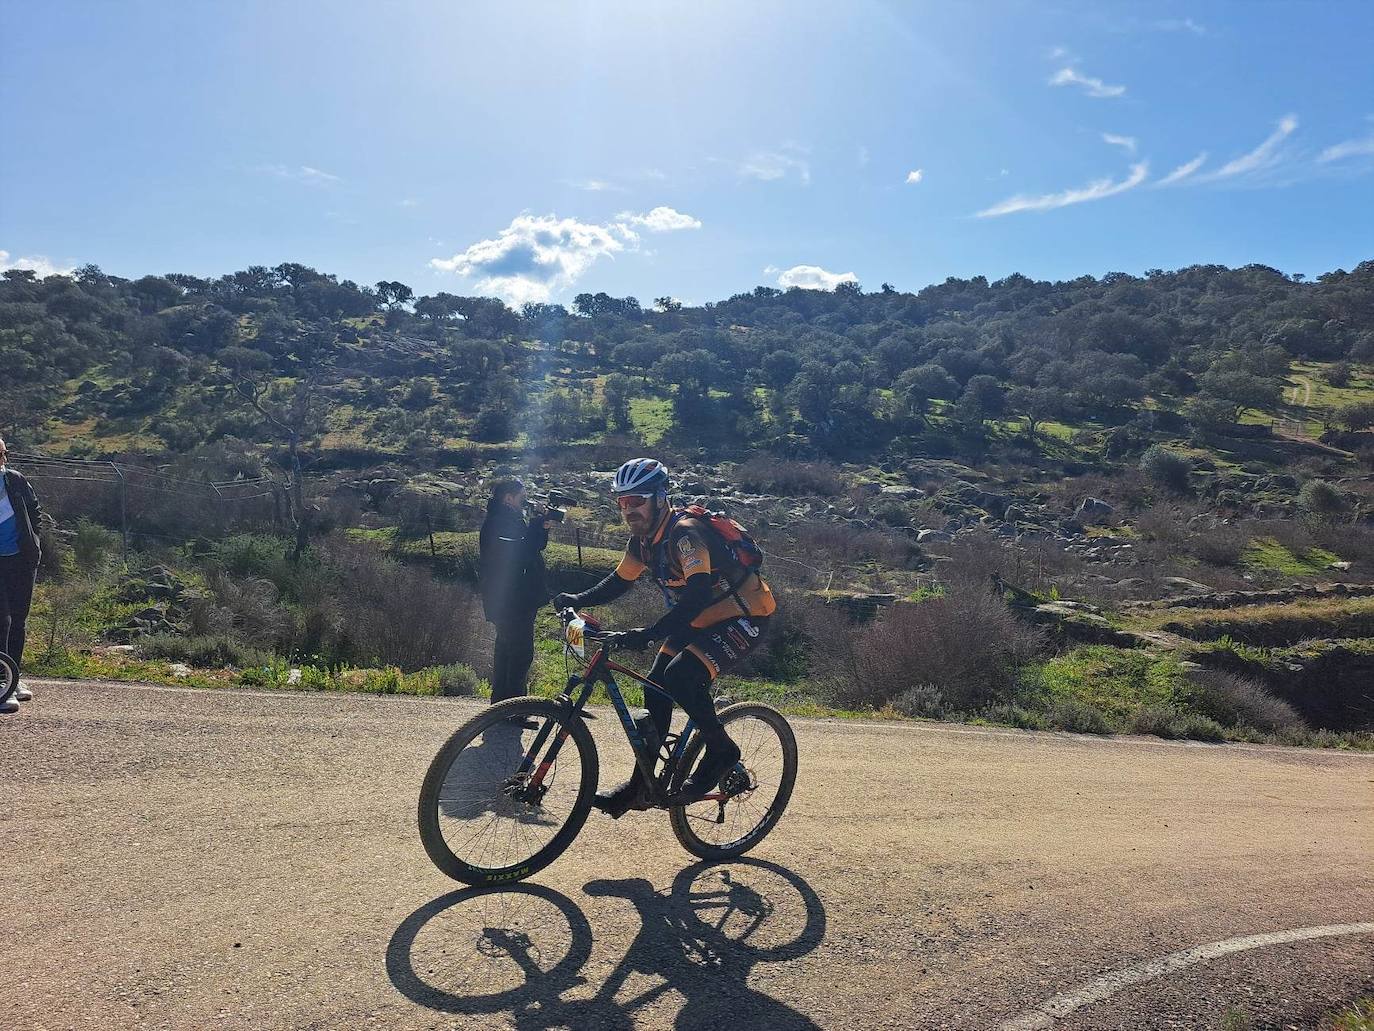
511, 788
9, 677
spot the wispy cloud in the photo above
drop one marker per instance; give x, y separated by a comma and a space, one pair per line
538, 254
1128, 143
1348, 149
1096, 190
915, 176
1179, 25
771, 165
301, 174
594, 185
863, 157
408, 202
1183, 171
1262, 157
811, 277
1092, 87
41, 267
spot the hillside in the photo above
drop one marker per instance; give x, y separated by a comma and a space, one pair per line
1129, 443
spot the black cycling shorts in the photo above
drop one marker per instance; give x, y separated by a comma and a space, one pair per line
720, 646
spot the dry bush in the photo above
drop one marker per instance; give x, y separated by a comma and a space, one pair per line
841, 544
966, 643
250, 606
1234, 700
400, 615
764, 474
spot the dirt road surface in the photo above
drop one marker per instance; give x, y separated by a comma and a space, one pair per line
186, 859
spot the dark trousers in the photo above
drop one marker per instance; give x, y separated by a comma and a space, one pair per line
17, 578
513, 656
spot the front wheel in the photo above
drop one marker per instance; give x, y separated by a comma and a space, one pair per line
759, 786
508, 792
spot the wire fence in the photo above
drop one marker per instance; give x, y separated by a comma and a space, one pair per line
145, 502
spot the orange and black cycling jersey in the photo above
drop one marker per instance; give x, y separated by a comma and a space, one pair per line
683, 547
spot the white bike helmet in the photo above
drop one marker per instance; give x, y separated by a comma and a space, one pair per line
643, 476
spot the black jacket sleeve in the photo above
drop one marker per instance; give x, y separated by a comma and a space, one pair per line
694, 599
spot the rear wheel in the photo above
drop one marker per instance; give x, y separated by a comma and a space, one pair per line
491, 811
759, 786
9, 677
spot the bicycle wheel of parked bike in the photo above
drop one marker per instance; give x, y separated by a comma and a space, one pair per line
9, 677
768, 753
490, 812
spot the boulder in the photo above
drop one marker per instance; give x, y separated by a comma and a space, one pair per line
1092, 511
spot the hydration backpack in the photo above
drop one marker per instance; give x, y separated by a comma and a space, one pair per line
742, 547
738, 541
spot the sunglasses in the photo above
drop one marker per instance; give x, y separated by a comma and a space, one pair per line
632, 501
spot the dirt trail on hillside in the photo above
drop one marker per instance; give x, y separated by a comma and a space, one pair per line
185, 859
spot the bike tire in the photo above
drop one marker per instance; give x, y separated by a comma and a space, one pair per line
10, 674
470, 869
754, 824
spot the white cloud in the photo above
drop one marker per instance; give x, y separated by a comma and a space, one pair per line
302, 174
1095, 190
1183, 171
1126, 142
811, 277
771, 165
660, 220
1263, 156
915, 176
863, 157
538, 254
1092, 87
1348, 149
36, 263
408, 202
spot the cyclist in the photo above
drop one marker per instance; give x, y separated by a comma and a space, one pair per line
717, 611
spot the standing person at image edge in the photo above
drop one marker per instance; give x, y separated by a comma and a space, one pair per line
511, 576
19, 556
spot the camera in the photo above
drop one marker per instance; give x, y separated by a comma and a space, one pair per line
557, 505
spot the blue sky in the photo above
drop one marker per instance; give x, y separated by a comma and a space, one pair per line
536, 150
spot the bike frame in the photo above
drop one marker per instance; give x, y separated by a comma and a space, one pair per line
598, 671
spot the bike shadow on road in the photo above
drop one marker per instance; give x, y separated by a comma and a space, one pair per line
523, 951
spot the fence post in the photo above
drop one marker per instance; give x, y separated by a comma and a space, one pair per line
577, 536
123, 512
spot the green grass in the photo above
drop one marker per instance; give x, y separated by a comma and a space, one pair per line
1268, 554
1117, 682
1357, 1017
652, 417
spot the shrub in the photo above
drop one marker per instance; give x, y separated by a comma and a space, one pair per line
1159, 720
966, 643
922, 700
457, 679
1321, 498
1166, 468
766, 475
1200, 728
1234, 700
93, 545
398, 614
1357, 416
204, 652
1077, 716
1337, 374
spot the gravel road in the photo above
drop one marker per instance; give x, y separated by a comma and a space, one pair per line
189, 859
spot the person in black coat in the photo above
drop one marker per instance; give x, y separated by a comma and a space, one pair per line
511, 577
19, 556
